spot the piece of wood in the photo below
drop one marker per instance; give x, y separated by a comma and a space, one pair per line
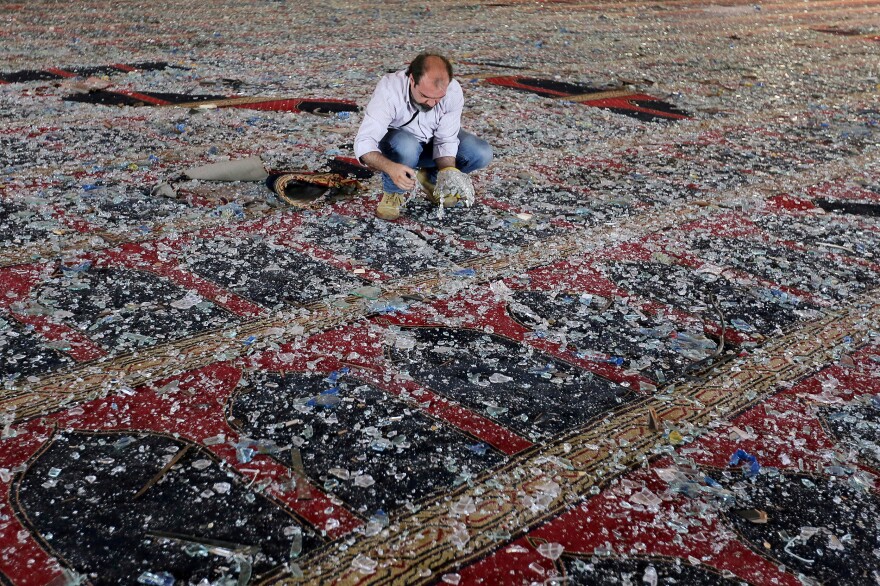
655, 422
752, 515
162, 472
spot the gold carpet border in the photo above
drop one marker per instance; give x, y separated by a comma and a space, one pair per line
417, 548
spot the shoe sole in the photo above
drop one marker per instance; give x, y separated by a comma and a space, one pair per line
389, 217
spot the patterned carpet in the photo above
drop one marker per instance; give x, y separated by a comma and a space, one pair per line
648, 354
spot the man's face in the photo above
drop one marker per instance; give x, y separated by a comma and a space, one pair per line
425, 95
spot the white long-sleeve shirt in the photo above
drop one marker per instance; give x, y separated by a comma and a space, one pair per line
391, 107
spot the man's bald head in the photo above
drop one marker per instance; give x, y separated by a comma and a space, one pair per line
435, 69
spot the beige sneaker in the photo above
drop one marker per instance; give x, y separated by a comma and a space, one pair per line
428, 189
389, 207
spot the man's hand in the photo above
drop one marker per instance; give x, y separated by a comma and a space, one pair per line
453, 185
403, 177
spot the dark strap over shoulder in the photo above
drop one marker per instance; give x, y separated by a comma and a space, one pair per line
408, 121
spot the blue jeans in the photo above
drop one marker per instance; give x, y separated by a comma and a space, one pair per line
402, 147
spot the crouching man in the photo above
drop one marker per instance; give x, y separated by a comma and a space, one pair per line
411, 132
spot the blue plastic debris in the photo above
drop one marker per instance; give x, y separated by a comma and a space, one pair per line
334, 376
327, 399
750, 467
77, 268
479, 449
388, 306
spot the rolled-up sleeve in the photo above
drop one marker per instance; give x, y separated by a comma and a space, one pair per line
446, 134
377, 117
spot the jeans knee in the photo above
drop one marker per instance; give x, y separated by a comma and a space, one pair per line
474, 153
482, 154
401, 147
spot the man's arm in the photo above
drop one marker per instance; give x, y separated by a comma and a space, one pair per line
443, 162
377, 117
446, 133
403, 177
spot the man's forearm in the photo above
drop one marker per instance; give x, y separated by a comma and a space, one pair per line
377, 161
443, 162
